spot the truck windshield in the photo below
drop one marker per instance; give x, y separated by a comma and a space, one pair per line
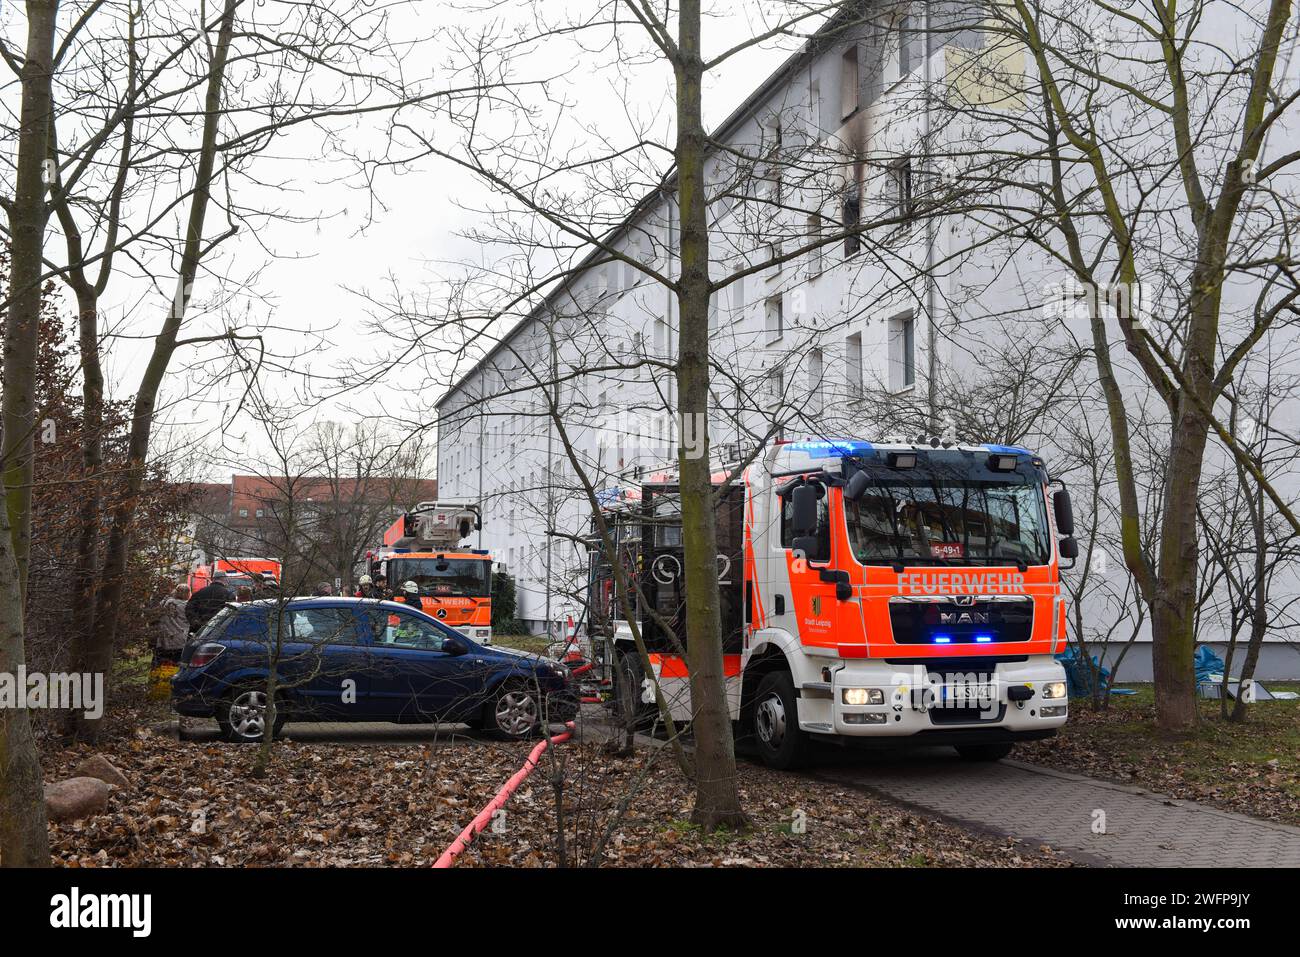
924, 520
442, 577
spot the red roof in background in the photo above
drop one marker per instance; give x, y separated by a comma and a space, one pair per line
252, 492
209, 498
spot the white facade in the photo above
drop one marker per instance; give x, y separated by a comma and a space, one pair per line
917, 332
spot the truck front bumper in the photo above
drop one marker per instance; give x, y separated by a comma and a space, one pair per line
1004, 701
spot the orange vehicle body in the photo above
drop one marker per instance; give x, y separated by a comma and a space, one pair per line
241, 570
459, 611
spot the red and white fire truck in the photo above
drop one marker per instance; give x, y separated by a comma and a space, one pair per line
455, 584
238, 571
870, 592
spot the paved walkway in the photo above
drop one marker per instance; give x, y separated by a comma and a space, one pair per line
1045, 806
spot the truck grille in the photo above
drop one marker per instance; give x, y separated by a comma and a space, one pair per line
958, 620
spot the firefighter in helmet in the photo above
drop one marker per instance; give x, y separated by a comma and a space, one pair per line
411, 594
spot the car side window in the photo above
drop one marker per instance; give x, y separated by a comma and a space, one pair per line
407, 631
323, 626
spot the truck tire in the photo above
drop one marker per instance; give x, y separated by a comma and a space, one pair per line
780, 742
984, 752
630, 710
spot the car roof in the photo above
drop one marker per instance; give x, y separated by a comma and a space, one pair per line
325, 601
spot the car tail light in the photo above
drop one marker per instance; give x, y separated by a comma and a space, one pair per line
205, 654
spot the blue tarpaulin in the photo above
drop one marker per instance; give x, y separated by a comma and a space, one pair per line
1209, 666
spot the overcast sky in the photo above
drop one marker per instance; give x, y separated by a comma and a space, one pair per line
306, 274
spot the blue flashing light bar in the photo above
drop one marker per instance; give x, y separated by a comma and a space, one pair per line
942, 639
828, 449
984, 639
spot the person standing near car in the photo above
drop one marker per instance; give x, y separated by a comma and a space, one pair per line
411, 594
173, 627
323, 590
366, 588
207, 601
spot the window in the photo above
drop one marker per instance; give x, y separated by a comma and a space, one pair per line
852, 215
323, 626
909, 52
951, 521
738, 296
661, 336
814, 235
631, 274
260, 513
902, 351
901, 203
815, 110
849, 82
853, 363
713, 313
775, 318
243, 513
775, 383
405, 630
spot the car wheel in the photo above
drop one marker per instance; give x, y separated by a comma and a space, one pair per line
781, 744
983, 752
242, 715
514, 713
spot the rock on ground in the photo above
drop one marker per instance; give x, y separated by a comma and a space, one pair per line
98, 766
76, 798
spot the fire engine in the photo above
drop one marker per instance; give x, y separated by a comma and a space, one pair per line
895, 592
455, 584
238, 571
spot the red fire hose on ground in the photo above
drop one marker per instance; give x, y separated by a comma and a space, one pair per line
484, 817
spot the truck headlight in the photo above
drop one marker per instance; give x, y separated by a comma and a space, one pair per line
1054, 689
861, 696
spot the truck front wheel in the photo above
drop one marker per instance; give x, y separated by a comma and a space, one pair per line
781, 743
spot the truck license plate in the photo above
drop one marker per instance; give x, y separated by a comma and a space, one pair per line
966, 693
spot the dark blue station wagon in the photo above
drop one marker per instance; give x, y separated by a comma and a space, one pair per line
355, 659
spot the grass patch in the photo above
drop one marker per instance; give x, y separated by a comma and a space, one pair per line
533, 644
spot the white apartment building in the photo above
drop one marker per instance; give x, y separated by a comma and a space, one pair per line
919, 328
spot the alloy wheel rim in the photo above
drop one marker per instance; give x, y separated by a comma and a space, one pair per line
248, 714
516, 712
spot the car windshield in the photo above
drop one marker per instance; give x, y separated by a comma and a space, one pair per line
443, 577
949, 522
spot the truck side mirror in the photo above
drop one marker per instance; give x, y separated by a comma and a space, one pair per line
803, 500
1069, 547
856, 487
1064, 512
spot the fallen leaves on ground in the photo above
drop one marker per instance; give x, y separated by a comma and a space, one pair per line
195, 804
1251, 768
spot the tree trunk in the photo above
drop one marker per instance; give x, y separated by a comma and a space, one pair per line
100, 654
92, 459
1173, 636
1259, 602
717, 801
27, 218
24, 840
